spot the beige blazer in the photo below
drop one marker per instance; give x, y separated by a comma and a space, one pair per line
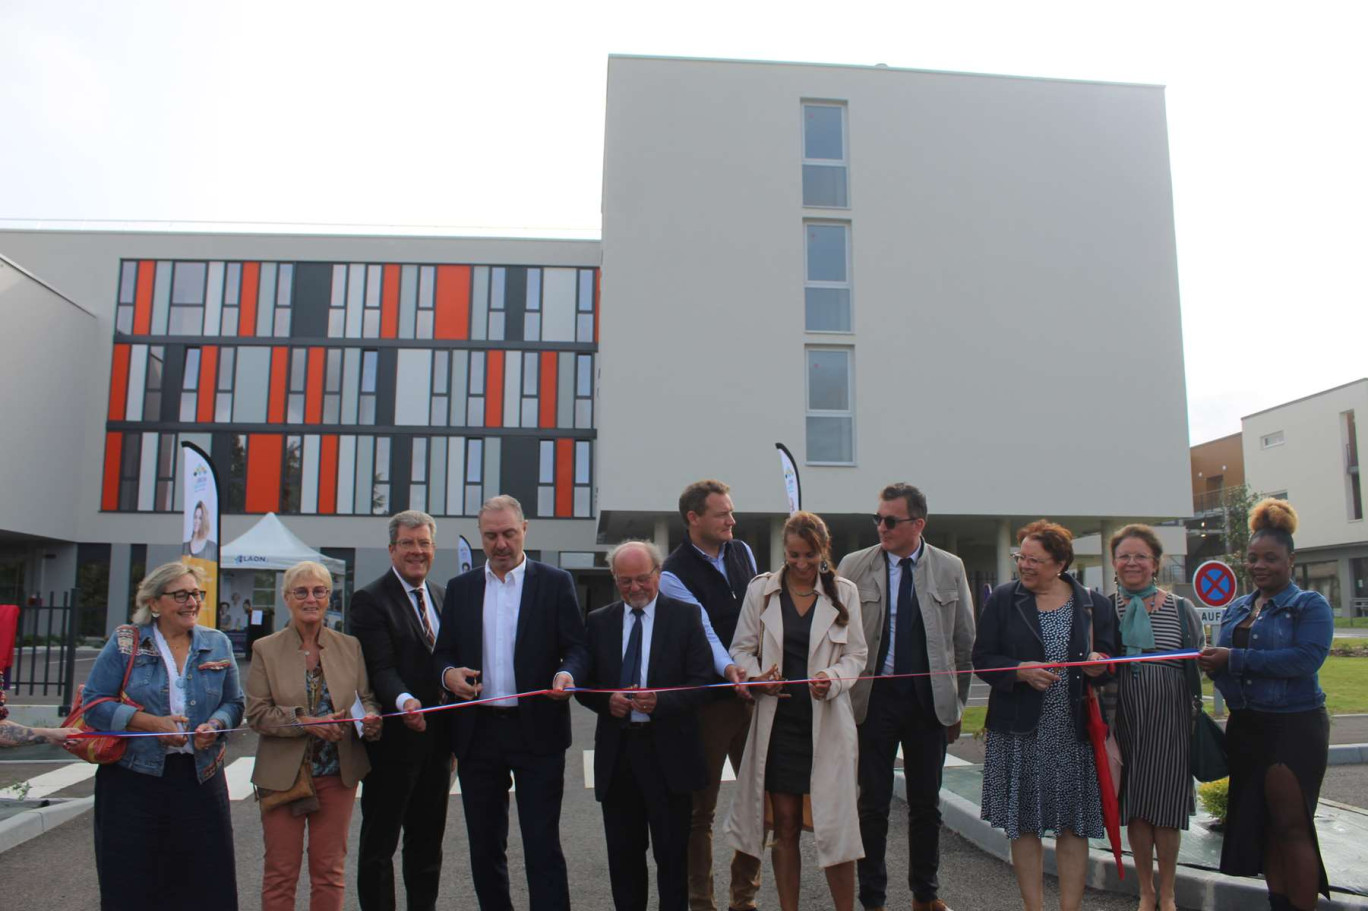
276, 694
947, 610
840, 651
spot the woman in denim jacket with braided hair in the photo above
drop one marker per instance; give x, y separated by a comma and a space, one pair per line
1271, 644
163, 833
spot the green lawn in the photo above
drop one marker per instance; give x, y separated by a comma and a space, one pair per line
1342, 622
973, 719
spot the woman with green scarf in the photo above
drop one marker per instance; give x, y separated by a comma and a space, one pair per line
1154, 712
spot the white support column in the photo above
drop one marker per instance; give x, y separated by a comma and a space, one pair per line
662, 534
1004, 551
1108, 577
777, 542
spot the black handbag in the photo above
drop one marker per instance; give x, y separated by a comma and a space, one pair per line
1208, 747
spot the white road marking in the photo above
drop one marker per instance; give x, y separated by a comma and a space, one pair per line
588, 770
239, 775
50, 783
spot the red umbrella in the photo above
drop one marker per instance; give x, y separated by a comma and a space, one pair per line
1111, 808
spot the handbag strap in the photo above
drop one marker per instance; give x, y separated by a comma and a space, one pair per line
1194, 677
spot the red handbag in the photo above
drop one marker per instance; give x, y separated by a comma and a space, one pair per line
101, 750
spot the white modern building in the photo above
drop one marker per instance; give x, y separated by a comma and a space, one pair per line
1308, 451
942, 278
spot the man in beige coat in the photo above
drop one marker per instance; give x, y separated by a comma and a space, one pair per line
905, 578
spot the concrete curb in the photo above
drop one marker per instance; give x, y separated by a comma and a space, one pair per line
1348, 753
1195, 887
20, 827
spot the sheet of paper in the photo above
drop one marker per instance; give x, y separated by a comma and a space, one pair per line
258, 617
358, 711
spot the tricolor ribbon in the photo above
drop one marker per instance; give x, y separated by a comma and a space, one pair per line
1181, 655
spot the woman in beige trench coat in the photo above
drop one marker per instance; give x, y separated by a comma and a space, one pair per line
836, 651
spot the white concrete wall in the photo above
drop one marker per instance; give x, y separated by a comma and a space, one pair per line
1013, 270
46, 456
1309, 464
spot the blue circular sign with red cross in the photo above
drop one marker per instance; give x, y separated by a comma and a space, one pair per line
1214, 582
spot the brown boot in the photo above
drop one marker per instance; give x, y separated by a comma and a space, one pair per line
934, 904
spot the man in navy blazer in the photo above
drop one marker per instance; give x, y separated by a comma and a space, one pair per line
648, 755
509, 627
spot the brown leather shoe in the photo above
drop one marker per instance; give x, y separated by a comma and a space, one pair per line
934, 905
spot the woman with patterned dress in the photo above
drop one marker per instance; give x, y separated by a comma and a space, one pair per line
1154, 712
1265, 663
306, 777
1038, 772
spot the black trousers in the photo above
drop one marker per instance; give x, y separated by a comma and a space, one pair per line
638, 809
497, 751
164, 841
894, 720
410, 794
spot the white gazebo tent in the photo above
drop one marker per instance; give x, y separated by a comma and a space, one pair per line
269, 546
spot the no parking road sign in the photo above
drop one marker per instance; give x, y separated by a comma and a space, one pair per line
1214, 583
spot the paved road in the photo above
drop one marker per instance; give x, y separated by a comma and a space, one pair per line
972, 880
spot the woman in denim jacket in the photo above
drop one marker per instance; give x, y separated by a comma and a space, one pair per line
163, 833
1270, 646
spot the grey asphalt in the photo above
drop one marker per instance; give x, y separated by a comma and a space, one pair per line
971, 880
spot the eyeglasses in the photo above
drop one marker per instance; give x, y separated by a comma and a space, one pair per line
1132, 558
183, 595
320, 593
628, 581
1029, 560
891, 522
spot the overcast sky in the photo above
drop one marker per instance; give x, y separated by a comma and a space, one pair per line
460, 117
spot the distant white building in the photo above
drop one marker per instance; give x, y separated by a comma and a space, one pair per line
962, 281
1308, 450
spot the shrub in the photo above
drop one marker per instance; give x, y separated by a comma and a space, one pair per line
1214, 797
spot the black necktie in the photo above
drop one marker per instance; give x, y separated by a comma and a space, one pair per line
631, 659
902, 630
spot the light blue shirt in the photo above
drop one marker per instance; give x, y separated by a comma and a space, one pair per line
671, 587
894, 580
647, 625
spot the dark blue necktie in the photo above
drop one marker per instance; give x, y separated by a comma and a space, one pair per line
904, 621
631, 659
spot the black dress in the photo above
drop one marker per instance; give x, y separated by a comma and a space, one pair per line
788, 766
1255, 742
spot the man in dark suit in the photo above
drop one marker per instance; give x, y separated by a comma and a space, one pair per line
648, 756
397, 618
509, 627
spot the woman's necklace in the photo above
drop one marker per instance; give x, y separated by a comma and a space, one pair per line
797, 594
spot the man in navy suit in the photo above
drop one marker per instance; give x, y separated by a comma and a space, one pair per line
396, 620
648, 756
509, 627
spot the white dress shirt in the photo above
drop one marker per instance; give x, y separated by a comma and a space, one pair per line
176, 692
502, 604
647, 625
894, 580
433, 618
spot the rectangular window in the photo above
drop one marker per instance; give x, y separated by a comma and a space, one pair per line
337, 303
826, 287
546, 479
299, 372
292, 474
190, 385
418, 474
1353, 483
283, 294
332, 387
584, 391
152, 388
427, 307
440, 403
166, 473
583, 498
232, 299
128, 284
187, 299
369, 363
474, 487
223, 389
370, 316
824, 156
1269, 440
830, 406
128, 471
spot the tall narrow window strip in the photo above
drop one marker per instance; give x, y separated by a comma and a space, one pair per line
827, 285
824, 156
830, 406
